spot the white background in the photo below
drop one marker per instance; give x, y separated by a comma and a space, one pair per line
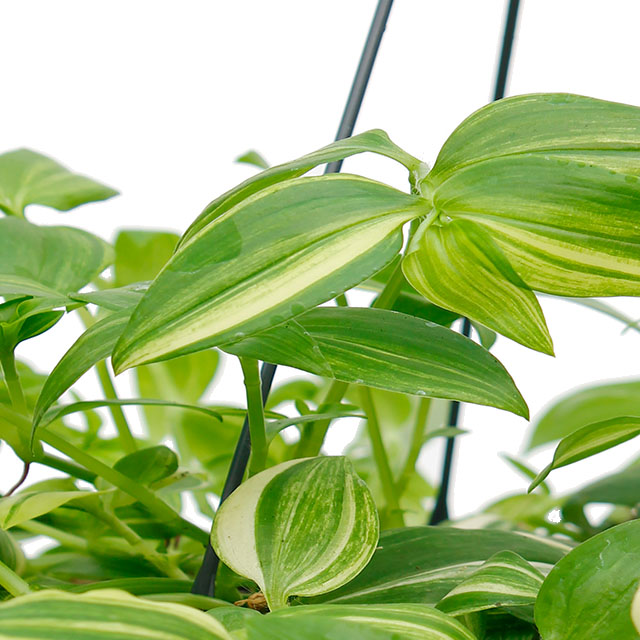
157, 98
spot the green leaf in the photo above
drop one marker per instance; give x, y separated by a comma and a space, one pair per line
585, 406
239, 275
11, 553
48, 261
375, 141
504, 580
588, 594
457, 265
95, 344
140, 255
388, 350
117, 299
303, 527
51, 615
27, 177
149, 465
423, 564
24, 317
27, 505
588, 441
353, 622
253, 158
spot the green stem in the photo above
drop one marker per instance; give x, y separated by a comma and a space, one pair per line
64, 538
12, 582
341, 300
391, 290
12, 380
415, 446
381, 460
124, 430
144, 547
153, 504
255, 411
66, 467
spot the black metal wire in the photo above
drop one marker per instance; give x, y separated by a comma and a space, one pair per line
440, 511
205, 581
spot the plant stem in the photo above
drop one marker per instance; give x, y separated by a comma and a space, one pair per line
154, 505
417, 440
64, 538
120, 420
255, 412
391, 290
394, 512
65, 466
12, 380
12, 582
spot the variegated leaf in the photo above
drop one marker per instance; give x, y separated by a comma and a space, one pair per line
102, 614
303, 527
286, 249
504, 580
635, 610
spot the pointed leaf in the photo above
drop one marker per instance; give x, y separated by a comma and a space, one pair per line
27, 177
148, 465
457, 265
588, 594
388, 350
239, 275
303, 527
375, 141
253, 158
29, 504
51, 615
588, 441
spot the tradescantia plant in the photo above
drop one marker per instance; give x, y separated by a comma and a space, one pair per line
531, 194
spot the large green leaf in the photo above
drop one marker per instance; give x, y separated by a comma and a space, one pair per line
588, 441
375, 141
303, 527
102, 614
274, 255
504, 580
353, 622
589, 592
27, 177
388, 350
584, 406
457, 265
423, 564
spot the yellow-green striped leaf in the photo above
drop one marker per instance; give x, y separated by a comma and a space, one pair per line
457, 265
588, 441
27, 177
504, 580
357, 622
274, 255
374, 141
302, 528
388, 350
31, 504
105, 614
588, 594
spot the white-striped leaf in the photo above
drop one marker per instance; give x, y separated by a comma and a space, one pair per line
504, 580
635, 610
388, 350
588, 594
374, 141
458, 266
303, 527
423, 564
357, 622
588, 441
105, 614
274, 255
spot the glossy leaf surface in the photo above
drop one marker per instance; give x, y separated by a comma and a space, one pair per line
27, 177
239, 275
388, 350
303, 527
589, 592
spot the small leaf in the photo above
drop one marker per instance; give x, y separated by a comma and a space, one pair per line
117, 299
504, 580
253, 158
588, 593
239, 275
140, 255
28, 505
588, 441
356, 622
149, 465
585, 406
27, 177
303, 527
51, 615
388, 350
